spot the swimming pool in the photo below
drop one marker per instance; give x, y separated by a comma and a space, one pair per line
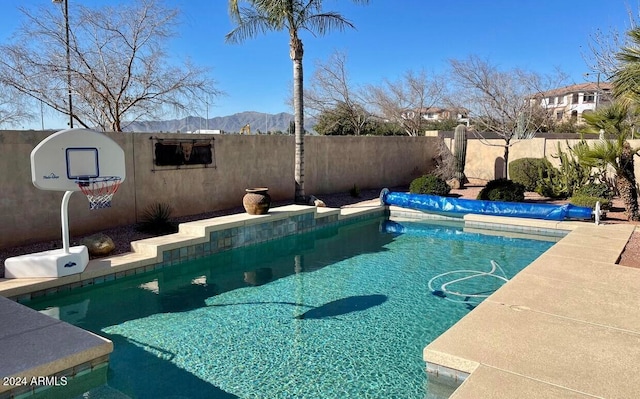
334, 313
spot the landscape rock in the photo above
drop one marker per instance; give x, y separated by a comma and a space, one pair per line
454, 183
99, 244
316, 201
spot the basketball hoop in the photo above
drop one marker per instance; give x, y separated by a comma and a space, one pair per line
99, 190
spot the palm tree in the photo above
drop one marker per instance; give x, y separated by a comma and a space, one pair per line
626, 78
260, 16
616, 152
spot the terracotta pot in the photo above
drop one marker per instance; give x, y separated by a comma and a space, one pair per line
256, 201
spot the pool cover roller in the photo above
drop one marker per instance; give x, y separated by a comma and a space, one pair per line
461, 206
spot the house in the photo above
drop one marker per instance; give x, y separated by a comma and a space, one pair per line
569, 103
435, 114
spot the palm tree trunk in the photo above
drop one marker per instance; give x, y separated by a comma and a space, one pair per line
626, 183
296, 53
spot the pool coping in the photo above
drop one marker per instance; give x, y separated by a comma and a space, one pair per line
38, 352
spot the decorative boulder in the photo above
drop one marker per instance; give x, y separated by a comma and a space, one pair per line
454, 183
314, 201
99, 244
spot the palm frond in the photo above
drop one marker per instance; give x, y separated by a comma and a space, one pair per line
613, 120
626, 79
326, 22
599, 154
249, 23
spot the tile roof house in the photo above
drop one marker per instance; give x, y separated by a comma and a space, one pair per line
570, 102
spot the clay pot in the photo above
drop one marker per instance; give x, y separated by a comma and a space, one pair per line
256, 201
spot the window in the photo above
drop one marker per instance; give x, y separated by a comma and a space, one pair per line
574, 116
588, 97
550, 100
574, 98
559, 100
559, 115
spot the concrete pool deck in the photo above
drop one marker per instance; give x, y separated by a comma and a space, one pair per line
566, 326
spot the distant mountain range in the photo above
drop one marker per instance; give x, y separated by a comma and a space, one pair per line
258, 121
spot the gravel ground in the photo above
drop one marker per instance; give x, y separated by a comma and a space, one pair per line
124, 235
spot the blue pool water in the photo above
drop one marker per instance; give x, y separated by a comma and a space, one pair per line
336, 313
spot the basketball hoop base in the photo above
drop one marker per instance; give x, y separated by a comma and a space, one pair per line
54, 263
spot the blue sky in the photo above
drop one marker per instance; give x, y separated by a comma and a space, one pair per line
391, 37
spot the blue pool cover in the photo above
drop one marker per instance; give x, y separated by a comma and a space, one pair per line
461, 206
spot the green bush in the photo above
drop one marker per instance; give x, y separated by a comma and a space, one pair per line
599, 190
590, 201
552, 186
156, 219
502, 190
528, 171
429, 184
562, 182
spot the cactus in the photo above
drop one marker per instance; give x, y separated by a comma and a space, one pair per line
460, 152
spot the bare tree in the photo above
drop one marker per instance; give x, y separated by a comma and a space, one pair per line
406, 100
118, 68
605, 44
332, 95
501, 102
13, 109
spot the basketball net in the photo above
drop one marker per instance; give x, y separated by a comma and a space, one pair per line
99, 191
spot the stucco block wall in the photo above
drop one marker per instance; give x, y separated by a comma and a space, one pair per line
332, 164
336, 163
485, 157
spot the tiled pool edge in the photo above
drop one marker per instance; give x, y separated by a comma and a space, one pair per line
488, 224
194, 240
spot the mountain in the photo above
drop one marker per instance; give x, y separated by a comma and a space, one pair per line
229, 124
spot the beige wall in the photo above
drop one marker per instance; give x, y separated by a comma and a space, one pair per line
483, 156
332, 164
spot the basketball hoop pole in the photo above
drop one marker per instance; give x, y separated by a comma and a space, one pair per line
64, 219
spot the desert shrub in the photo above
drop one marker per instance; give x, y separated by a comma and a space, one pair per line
552, 185
156, 219
502, 190
566, 127
444, 162
562, 182
599, 190
590, 201
528, 171
429, 184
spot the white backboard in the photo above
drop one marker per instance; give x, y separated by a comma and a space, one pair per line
59, 160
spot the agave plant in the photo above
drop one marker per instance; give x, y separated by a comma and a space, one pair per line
156, 219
